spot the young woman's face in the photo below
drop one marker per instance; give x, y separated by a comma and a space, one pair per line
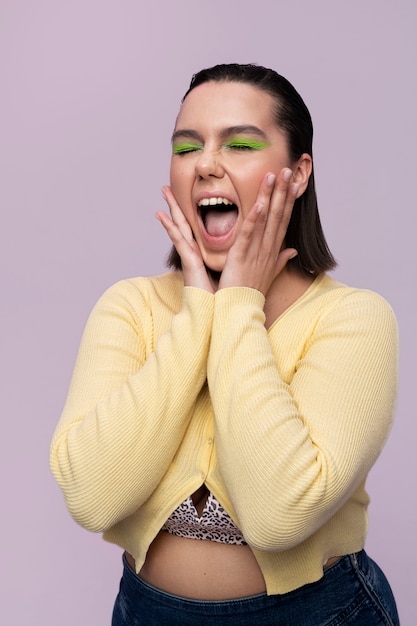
225, 141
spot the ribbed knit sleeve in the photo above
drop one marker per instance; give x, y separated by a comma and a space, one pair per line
130, 401
293, 446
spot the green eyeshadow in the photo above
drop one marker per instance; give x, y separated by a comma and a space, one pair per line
183, 148
249, 144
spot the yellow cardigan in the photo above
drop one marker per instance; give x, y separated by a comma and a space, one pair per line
175, 386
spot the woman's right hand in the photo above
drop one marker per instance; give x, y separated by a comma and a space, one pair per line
181, 235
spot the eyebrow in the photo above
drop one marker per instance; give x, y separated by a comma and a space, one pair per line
242, 129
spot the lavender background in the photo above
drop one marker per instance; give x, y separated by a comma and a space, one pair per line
89, 90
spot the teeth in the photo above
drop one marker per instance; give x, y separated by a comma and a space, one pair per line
213, 201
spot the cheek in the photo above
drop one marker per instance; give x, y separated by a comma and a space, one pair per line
175, 183
181, 188
180, 178
173, 174
248, 186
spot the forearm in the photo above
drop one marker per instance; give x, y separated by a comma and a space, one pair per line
292, 453
127, 410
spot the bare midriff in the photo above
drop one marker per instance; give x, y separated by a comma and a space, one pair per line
198, 569
202, 570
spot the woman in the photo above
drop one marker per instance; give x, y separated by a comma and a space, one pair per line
223, 417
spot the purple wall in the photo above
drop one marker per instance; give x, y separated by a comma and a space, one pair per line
89, 93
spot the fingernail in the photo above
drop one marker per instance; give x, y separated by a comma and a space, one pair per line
270, 179
295, 188
287, 175
164, 193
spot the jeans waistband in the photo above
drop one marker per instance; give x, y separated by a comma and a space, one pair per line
353, 588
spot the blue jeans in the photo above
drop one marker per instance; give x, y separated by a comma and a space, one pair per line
352, 591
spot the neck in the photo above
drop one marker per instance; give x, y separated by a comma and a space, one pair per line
214, 278
288, 286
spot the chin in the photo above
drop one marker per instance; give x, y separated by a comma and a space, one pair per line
215, 263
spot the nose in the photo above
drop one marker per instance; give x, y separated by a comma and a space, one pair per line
209, 164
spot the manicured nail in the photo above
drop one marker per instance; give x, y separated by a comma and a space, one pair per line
294, 189
287, 175
270, 179
258, 207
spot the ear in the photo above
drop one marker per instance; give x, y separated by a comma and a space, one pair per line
302, 171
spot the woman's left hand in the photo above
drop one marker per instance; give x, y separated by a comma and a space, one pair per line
257, 255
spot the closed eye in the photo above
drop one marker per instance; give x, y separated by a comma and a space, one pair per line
186, 148
245, 144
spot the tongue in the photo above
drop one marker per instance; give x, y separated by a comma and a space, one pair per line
219, 223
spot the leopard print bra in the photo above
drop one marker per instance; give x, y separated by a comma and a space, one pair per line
213, 525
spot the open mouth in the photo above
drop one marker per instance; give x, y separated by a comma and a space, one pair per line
219, 215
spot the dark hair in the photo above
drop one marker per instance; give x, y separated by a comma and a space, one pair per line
304, 232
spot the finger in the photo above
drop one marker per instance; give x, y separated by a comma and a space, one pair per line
283, 258
271, 198
266, 189
174, 208
258, 215
188, 250
266, 214
177, 215
177, 227
280, 207
171, 228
